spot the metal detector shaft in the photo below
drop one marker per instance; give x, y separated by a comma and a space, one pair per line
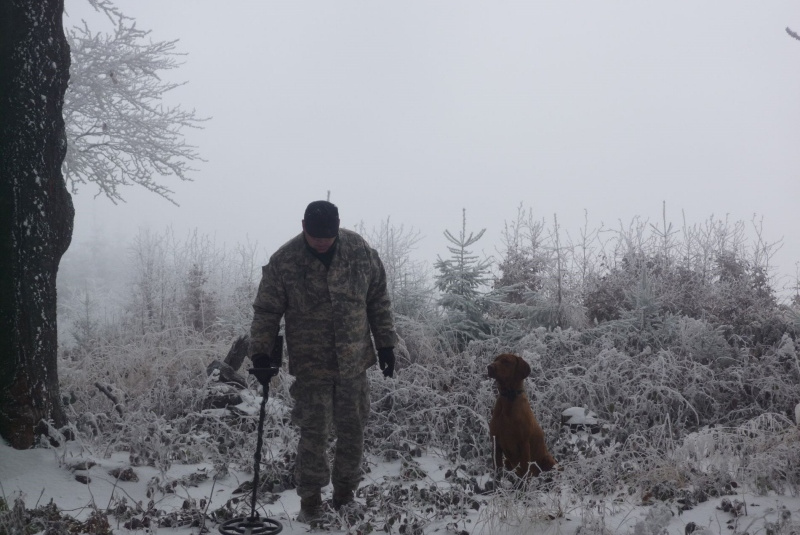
264, 376
272, 371
253, 525
259, 444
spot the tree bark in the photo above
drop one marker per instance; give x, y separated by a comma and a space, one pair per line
36, 213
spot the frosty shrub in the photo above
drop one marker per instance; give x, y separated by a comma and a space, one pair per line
441, 405
690, 370
765, 451
418, 338
47, 519
523, 506
146, 396
654, 522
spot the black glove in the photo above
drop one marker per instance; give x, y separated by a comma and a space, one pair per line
263, 360
386, 361
265, 367
263, 375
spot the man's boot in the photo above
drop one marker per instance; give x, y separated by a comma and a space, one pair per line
310, 509
341, 498
347, 507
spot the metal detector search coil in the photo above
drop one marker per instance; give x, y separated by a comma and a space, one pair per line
251, 526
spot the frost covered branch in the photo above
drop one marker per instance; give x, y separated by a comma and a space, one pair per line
108, 390
119, 132
107, 8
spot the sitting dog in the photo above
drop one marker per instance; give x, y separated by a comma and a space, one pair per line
517, 438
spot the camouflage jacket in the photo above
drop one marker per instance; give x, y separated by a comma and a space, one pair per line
328, 313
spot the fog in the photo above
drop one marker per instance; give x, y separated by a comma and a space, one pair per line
595, 113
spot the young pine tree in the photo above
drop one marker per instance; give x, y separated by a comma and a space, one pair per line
462, 279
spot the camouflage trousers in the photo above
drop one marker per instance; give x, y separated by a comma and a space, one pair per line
318, 404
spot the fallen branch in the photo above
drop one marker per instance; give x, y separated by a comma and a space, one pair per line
238, 352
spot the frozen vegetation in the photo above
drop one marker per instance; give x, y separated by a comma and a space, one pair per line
665, 374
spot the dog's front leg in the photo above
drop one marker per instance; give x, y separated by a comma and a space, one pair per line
524, 467
539, 454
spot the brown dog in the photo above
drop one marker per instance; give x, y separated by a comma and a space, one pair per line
517, 438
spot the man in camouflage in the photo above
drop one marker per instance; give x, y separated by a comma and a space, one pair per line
329, 286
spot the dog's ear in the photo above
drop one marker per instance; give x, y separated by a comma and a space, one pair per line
523, 368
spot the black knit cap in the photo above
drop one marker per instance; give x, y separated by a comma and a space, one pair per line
322, 219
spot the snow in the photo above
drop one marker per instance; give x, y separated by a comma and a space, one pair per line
41, 475
579, 416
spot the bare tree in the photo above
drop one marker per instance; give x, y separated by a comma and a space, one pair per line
522, 262
118, 130
406, 278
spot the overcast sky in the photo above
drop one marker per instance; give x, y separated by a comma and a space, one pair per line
416, 109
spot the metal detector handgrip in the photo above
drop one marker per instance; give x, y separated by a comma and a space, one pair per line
265, 373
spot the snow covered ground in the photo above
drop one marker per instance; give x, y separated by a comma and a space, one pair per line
79, 482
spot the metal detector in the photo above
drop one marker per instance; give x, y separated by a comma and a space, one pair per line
253, 524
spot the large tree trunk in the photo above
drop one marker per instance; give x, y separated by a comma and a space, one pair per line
36, 213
